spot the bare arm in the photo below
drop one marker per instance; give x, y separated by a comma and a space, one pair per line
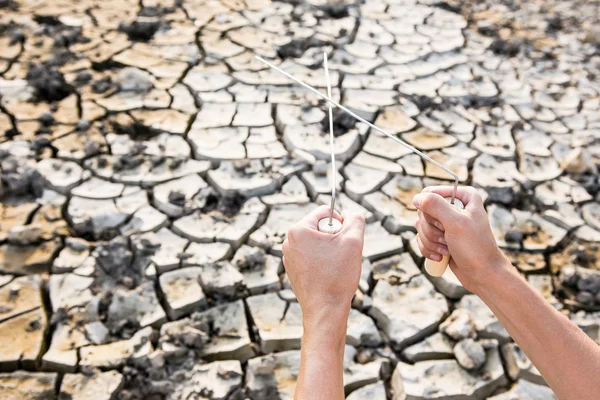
566, 357
321, 364
324, 271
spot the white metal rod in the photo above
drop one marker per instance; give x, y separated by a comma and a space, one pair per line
333, 169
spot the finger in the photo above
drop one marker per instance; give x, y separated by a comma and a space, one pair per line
431, 220
285, 246
437, 207
433, 246
312, 219
354, 226
466, 194
432, 233
426, 253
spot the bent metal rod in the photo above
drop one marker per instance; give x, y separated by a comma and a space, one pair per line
358, 117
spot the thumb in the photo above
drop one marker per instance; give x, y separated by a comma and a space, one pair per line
437, 207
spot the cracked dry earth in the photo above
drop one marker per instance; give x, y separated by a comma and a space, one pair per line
151, 167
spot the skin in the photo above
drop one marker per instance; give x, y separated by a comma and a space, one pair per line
566, 357
324, 271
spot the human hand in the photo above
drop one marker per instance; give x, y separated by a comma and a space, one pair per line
465, 235
324, 269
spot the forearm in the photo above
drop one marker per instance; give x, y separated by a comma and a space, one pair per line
322, 356
566, 357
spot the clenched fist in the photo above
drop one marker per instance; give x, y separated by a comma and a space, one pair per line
324, 269
465, 235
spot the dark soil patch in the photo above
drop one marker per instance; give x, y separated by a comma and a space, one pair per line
296, 48
335, 10
229, 205
49, 83
508, 48
342, 122
141, 29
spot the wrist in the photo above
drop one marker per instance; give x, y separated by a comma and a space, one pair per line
500, 279
495, 277
329, 321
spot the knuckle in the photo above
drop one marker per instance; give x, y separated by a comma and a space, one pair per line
353, 241
294, 233
429, 202
360, 218
322, 208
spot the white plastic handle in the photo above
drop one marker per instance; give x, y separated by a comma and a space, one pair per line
437, 268
324, 226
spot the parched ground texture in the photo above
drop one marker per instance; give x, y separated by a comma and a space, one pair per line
150, 167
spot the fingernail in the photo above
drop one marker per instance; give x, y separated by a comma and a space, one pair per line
443, 250
439, 225
443, 241
417, 201
435, 257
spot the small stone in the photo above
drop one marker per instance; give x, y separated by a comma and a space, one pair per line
97, 332
470, 354
459, 325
